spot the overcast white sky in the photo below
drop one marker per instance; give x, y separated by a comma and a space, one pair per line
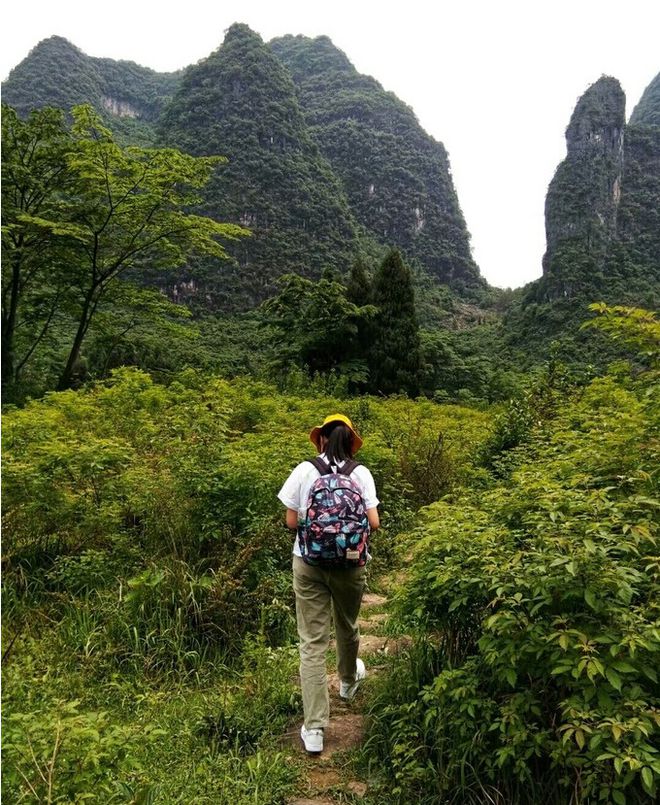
496, 82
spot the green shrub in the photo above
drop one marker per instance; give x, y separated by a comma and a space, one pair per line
264, 701
64, 754
542, 597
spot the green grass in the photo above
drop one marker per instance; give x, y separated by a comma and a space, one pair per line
168, 752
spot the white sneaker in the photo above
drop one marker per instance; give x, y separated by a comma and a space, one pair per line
348, 691
313, 739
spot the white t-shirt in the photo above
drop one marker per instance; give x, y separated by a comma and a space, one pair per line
296, 488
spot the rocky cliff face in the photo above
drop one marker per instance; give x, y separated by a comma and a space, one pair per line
396, 177
240, 102
637, 259
57, 73
603, 204
319, 169
584, 195
602, 220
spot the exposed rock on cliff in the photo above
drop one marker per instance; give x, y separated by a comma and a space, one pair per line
583, 197
57, 73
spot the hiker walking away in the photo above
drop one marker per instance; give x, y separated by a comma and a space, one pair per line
331, 502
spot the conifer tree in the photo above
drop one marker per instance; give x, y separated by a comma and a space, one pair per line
358, 290
394, 361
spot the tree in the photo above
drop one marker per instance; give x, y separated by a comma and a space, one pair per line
395, 361
132, 210
316, 327
120, 209
35, 247
358, 290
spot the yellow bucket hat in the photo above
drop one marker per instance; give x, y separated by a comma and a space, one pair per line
315, 433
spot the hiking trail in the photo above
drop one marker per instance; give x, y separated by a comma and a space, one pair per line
327, 777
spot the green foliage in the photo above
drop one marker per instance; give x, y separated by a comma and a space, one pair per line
150, 742
395, 176
104, 211
56, 73
647, 111
241, 102
638, 329
147, 573
317, 327
539, 602
473, 366
264, 701
186, 476
394, 356
64, 754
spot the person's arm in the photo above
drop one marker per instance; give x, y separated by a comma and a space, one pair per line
374, 519
292, 518
289, 495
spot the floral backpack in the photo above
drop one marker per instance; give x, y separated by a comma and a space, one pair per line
336, 528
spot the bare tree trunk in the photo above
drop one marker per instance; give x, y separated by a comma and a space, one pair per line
88, 309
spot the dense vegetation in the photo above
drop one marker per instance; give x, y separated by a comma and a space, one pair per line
397, 178
602, 224
146, 576
535, 601
80, 216
149, 646
306, 208
57, 73
647, 111
240, 102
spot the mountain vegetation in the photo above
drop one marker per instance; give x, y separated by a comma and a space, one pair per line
80, 214
145, 566
198, 268
292, 175
535, 601
396, 177
240, 102
57, 73
602, 223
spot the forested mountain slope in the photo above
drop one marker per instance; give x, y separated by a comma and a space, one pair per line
57, 73
332, 167
240, 102
396, 176
602, 217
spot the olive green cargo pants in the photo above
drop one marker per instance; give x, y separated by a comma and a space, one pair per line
318, 592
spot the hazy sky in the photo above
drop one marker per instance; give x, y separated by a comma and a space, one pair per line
496, 82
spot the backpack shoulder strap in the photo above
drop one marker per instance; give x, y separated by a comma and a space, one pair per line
349, 466
320, 465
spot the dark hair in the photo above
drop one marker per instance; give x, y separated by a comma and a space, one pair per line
340, 442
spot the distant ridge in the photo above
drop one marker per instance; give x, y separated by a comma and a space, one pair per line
241, 102
351, 178
57, 73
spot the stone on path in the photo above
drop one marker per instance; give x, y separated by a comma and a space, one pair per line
357, 788
369, 622
321, 778
370, 600
373, 644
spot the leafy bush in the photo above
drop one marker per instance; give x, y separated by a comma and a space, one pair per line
66, 755
143, 548
540, 597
